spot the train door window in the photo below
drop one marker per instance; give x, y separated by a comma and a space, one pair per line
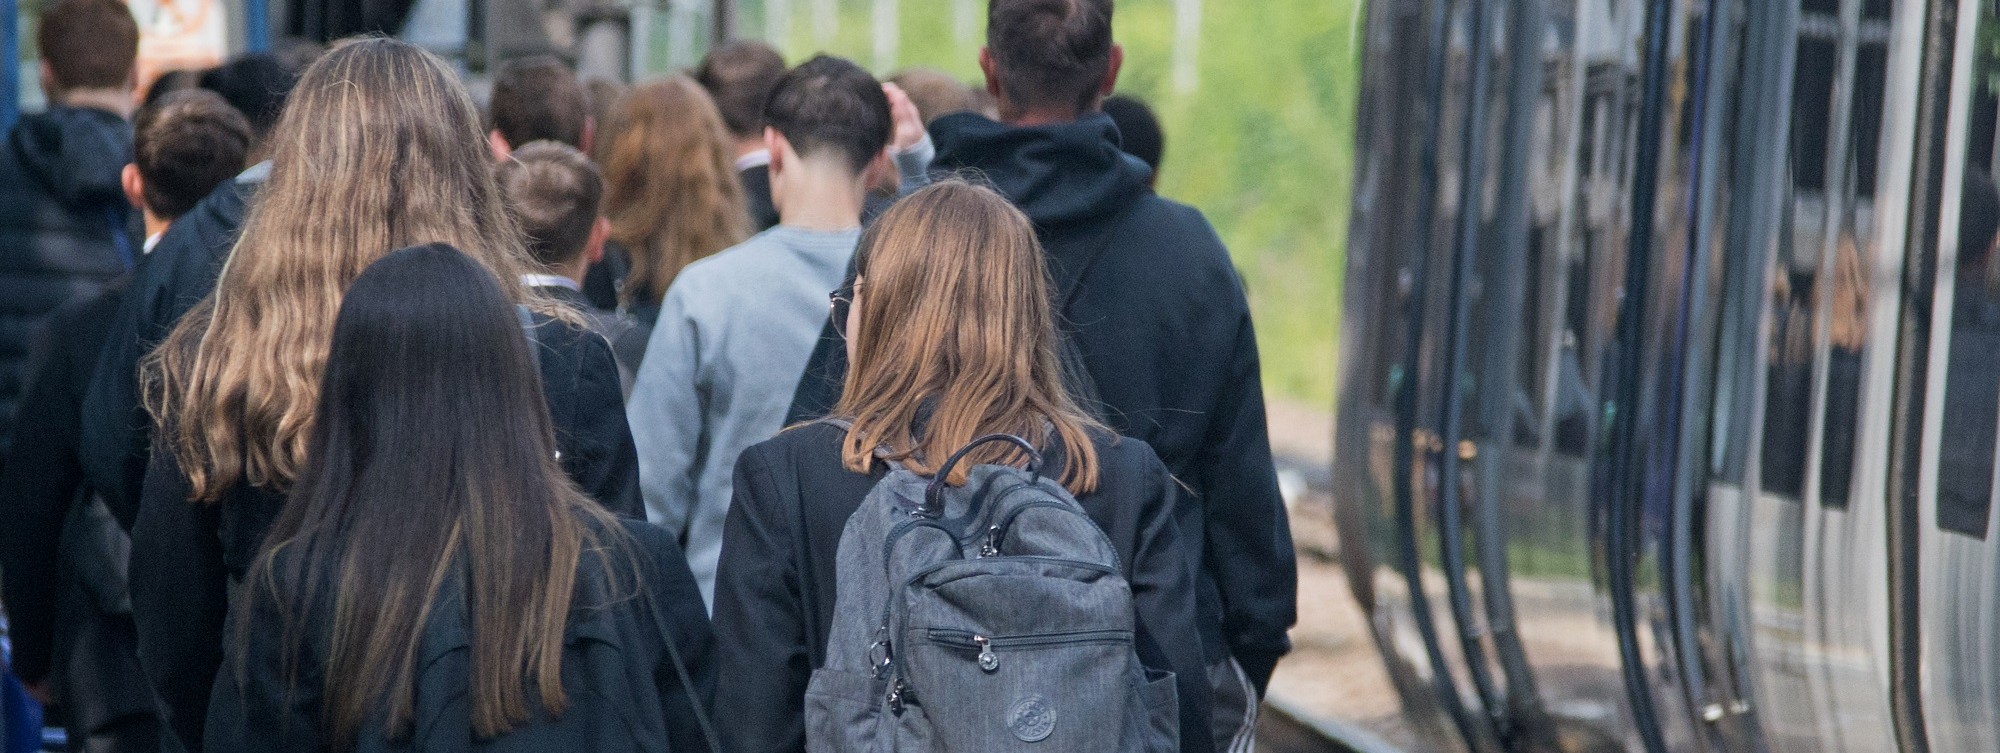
1846, 266
1788, 376
1971, 413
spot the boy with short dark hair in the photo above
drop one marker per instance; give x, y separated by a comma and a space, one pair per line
740, 76
538, 99
556, 194
735, 329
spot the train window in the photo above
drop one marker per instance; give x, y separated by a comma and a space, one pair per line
1971, 415
1972, 369
1848, 291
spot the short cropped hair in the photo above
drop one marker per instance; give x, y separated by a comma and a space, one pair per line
935, 93
539, 99
256, 85
88, 44
739, 76
1050, 53
555, 192
185, 144
1138, 128
831, 103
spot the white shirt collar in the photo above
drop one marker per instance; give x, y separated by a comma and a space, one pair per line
757, 158
151, 241
549, 281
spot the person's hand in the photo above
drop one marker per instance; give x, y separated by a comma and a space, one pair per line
903, 113
41, 692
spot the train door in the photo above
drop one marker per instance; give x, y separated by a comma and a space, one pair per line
1952, 630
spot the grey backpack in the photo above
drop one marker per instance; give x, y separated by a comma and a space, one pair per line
987, 617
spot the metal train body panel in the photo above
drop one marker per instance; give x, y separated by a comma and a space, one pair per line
1671, 378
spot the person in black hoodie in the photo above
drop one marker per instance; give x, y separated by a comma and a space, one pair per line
62, 554
1156, 316
65, 230
953, 338
434, 580
379, 148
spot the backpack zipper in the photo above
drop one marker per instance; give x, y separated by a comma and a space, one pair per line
987, 645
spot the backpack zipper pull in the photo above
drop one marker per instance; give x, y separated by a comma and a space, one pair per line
992, 546
988, 660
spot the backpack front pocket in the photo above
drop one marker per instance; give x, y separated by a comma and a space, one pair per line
1054, 691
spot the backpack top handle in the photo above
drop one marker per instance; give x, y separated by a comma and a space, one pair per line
934, 494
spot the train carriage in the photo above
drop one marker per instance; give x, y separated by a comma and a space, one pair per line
1672, 372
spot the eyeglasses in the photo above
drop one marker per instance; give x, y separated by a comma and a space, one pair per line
839, 302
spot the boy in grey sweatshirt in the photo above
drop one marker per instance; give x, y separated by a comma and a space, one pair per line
735, 329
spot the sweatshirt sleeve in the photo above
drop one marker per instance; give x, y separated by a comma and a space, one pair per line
666, 412
1163, 599
179, 603
760, 620
1248, 547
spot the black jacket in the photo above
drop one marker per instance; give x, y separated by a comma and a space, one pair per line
1158, 320
42, 476
65, 228
627, 335
180, 271
757, 194
774, 588
184, 555
623, 690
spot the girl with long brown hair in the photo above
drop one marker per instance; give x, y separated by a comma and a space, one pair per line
670, 189
951, 336
379, 148
433, 573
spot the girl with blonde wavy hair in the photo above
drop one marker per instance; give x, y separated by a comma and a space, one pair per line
951, 335
379, 148
670, 188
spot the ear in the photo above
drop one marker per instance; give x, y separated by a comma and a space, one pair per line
135, 186
589, 137
778, 146
593, 249
882, 172
498, 145
1111, 71
992, 71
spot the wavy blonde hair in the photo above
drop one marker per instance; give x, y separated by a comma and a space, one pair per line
670, 185
379, 148
955, 330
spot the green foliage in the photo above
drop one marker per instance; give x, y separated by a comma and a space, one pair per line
1263, 145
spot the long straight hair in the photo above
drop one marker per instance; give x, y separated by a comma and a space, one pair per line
433, 461
379, 148
670, 184
955, 331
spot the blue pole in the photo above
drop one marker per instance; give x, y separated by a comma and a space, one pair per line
256, 25
10, 62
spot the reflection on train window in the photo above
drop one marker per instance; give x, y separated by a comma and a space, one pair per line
1788, 379
1972, 372
1848, 289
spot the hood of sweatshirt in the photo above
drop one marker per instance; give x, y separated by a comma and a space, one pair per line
1057, 174
76, 154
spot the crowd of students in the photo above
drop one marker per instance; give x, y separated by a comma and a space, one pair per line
339, 413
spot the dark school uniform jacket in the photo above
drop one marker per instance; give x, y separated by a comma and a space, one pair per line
623, 691
774, 588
